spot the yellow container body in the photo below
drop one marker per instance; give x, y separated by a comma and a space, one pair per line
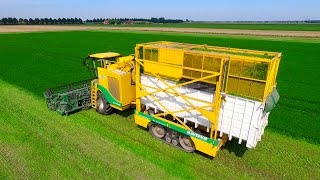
252, 74
247, 73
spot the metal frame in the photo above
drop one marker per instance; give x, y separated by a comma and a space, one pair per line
250, 56
212, 116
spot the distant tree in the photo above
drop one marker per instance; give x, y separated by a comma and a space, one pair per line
5, 20
36, 21
114, 21
46, 21
162, 20
20, 21
9, 20
26, 21
50, 21
63, 21
31, 21
72, 21
78, 21
15, 21
41, 21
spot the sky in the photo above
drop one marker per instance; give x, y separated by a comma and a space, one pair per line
201, 10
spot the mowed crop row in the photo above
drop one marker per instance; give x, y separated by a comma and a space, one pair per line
37, 61
39, 144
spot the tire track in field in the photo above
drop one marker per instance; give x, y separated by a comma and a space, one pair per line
292, 157
91, 124
301, 161
85, 141
83, 146
52, 144
241, 165
39, 132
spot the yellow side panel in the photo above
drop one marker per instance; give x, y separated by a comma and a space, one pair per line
205, 147
171, 56
163, 70
127, 90
141, 121
121, 86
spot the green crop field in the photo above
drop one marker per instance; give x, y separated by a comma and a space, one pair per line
37, 143
262, 26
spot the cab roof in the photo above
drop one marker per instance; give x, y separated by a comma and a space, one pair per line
104, 55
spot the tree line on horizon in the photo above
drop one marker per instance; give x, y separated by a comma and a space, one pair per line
40, 21
50, 21
136, 20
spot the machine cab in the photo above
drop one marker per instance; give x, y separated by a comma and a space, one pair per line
102, 60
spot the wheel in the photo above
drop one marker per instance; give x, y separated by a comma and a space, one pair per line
151, 112
157, 131
132, 106
168, 138
175, 141
103, 106
186, 143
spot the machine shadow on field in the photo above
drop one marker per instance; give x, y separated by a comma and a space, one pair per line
125, 113
234, 148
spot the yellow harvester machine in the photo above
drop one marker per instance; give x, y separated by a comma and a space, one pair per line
180, 92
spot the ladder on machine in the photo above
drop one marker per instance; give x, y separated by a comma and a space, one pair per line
94, 93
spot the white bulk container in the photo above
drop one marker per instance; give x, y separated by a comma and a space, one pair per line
240, 118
